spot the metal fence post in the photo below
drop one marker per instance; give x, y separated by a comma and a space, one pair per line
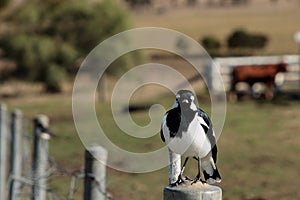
16, 154
3, 150
95, 173
40, 157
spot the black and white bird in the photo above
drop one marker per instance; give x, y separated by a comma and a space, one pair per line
188, 131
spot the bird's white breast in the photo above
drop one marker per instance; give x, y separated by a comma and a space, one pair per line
193, 142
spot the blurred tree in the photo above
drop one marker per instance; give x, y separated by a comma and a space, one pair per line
54, 78
4, 3
58, 32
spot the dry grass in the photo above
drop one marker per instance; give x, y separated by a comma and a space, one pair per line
259, 148
279, 22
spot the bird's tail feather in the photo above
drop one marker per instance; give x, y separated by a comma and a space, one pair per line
210, 171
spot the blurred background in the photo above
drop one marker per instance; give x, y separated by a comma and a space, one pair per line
43, 43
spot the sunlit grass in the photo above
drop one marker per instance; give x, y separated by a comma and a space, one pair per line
258, 149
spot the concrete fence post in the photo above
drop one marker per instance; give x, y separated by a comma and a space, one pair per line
40, 157
197, 191
16, 154
3, 150
188, 191
95, 173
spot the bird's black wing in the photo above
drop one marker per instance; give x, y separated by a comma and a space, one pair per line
173, 120
209, 133
205, 117
162, 135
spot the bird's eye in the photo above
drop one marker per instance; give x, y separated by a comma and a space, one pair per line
192, 98
177, 96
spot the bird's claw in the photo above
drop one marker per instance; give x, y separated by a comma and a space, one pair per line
197, 179
188, 178
182, 180
179, 181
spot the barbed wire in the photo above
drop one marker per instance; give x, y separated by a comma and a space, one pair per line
56, 170
99, 188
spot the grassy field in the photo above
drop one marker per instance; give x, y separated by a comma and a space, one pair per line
258, 149
260, 144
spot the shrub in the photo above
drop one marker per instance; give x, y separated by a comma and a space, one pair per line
239, 2
210, 42
138, 3
66, 56
30, 14
31, 52
242, 39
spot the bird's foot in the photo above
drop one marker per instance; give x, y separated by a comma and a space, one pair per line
179, 181
197, 179
188, 178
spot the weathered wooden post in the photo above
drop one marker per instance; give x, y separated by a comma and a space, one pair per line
3, 150
40, 157
188, 191
95, 173
16, 154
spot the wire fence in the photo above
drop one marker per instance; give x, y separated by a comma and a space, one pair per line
28, 179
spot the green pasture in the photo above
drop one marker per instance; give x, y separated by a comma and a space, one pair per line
258, 149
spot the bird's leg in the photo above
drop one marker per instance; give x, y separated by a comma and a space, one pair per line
180, 180
198, 177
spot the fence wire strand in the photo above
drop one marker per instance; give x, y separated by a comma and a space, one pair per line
54, 171
75, 176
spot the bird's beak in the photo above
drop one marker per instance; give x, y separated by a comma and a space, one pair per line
185, 101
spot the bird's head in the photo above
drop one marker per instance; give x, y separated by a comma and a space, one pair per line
185, 99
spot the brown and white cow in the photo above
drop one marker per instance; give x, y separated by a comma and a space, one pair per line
252, 74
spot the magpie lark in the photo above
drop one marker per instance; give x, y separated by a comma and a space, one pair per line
188, 131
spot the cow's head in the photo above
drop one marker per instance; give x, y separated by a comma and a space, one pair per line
282, 67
